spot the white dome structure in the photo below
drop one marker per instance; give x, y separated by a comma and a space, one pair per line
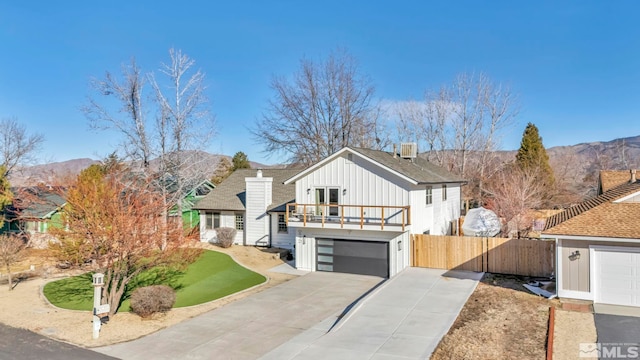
481, 222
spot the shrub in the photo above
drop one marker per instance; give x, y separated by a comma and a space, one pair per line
226, 236
148, 300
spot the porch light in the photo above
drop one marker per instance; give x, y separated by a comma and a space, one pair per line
574, 255
344, 191
308, 191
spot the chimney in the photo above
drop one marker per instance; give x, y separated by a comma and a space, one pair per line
259, 174
395, 151
633, 175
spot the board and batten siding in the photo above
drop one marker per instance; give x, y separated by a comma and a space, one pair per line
365, 184
256, 222
284, 240
575, 274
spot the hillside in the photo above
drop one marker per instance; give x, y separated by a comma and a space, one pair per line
48, 173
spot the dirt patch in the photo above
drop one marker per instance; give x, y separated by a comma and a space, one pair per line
571, 329
25, 306
501, 320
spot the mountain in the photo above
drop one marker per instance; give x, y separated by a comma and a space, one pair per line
47, 173
578, 163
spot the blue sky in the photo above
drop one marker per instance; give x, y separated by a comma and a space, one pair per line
575, 65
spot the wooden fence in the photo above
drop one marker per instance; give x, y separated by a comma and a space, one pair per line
497, 255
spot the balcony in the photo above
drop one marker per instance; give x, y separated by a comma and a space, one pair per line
364, 217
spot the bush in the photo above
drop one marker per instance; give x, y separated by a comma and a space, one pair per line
148, 300
226, 236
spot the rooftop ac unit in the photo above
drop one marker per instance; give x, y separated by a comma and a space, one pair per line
408, 150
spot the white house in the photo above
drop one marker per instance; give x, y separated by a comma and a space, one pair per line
352, 212
253, 202
355, 210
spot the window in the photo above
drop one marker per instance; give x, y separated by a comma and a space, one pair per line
239, 221
429, 195
212, 221
282, 224
444, 192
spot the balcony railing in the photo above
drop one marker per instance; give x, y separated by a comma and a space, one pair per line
362, 215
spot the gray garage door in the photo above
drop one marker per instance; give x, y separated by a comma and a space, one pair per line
353, 256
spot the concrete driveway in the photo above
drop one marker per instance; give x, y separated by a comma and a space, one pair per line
405, 318
255, 325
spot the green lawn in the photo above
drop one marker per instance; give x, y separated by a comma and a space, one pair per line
212, 276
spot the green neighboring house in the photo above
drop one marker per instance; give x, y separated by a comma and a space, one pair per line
191, 217
34, 212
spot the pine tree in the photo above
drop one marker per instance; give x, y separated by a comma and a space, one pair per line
532, 156
240, 161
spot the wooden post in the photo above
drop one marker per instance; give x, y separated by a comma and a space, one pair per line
304, 214
361, 216
382, 218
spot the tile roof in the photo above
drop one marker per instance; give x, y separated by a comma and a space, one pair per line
418, 169
612, 178
231, 193
600, 216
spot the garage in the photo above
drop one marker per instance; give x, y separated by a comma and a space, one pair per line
617, 276
353, 256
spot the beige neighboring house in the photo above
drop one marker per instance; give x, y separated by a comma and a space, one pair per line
598, 246
609, 179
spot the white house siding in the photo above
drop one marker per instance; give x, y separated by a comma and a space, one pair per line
227, 219
365, 184
284, 240
258, 197
305, 251
445, 211
421, 213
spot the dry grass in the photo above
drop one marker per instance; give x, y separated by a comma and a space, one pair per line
499, 321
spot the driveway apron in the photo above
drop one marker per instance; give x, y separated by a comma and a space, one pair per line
403, 319
255, 325
618, 336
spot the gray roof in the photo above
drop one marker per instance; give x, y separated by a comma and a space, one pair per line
231, 193
418, 169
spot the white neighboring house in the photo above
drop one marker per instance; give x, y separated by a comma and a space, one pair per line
253, 202
356, 209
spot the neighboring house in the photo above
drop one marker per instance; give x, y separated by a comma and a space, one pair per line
34, 212
609, 179
356, 209
253, 202
191, 216
598, 246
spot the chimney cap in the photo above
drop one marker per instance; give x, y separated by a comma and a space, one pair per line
259, 173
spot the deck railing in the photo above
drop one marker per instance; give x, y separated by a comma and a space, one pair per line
382, 215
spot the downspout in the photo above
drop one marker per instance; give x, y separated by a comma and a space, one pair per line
270, 228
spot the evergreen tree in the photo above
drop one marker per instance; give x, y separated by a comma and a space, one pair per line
240, 161
532, 156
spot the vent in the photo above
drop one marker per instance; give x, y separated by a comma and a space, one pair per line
408, 150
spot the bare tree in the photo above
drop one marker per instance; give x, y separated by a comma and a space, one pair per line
11, 247
17, 147
460, 125
513, 193
326, 106
170, 126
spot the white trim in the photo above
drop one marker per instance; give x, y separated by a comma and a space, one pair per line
337, 154
580, 295
626, 197
558, 265
589, 238
592, 262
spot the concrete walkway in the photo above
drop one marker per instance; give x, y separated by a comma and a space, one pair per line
255, 325
403, 319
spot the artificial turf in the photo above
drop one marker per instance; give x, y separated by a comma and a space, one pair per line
212, 276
